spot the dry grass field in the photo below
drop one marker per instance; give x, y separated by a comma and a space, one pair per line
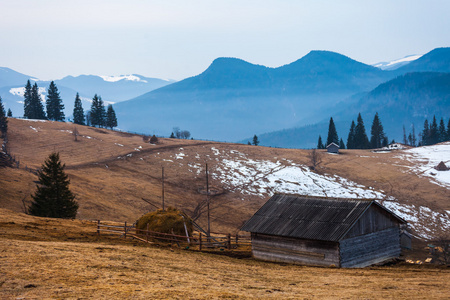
116, 176
45, 258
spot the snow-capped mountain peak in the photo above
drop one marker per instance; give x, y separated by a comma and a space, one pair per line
395, 64
123, 77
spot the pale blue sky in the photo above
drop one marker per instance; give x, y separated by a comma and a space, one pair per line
177, 39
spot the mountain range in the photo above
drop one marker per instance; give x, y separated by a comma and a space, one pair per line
232, 99
287, 106
112, 89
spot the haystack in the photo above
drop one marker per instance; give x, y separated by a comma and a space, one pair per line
172, 221
441, 167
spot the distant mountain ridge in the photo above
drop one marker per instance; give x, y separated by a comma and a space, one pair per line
111, 88
233, 99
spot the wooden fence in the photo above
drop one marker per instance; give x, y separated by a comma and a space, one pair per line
198, 239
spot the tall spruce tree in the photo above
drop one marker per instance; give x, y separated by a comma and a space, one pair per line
255, 140
53, 197
3, 120
36, 106
320, 143
97, 114
351, 136
111, 119
332, 134
78, 112
9, 113
27, 101
377, 133
448, 130
361, 139
434, 134
426, 134
341, 144
442, 133
55, 107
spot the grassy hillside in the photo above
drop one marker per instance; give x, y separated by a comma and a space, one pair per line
116, 176
64, 259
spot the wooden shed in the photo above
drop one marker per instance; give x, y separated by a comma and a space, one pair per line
333, 148
324, 231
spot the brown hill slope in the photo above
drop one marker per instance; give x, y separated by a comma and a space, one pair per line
116, 176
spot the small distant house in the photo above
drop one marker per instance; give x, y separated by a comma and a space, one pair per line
441, 167
333, 148
324, 231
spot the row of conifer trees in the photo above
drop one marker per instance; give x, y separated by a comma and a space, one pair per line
34, 109
357, 137
431, 134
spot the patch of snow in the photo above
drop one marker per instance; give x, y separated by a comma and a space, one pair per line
34, 120
428, 157
33, 128
167, 160
180, 155
130, 155
123, 77
215, 150
137, 149
118, 144
68, 131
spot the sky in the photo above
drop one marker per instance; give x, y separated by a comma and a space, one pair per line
176, 39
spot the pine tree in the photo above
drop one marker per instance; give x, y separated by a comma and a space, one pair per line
332, 134
351, 136
361, 139
320, 143
255, 140
341, 144
405, 140
36, 107
78, 112
434, 134
9, 113
53, 197
377, 133
172, 136
3, 120
448, 130
55, 107
27, 110
442, 133
426, 134
111, 119
97, 112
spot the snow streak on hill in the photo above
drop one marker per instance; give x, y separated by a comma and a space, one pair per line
262, 178
424, 160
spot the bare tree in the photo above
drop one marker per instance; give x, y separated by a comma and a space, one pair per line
315, 158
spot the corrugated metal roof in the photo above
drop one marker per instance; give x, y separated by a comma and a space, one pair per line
316, 218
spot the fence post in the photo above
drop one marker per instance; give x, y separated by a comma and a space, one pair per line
200, 241
98, 227
237, 238
146, 233
125, 230
229, 241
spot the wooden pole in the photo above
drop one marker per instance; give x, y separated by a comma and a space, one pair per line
200, 241
229, 241
98, 227
237, 238
125, 230
162, 196
207, 203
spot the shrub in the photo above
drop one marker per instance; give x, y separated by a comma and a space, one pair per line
154, 140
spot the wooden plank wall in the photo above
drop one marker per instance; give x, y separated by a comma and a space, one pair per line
362, 251
292, 250
373, 220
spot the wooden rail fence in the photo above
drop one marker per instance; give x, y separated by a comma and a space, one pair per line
215, 241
